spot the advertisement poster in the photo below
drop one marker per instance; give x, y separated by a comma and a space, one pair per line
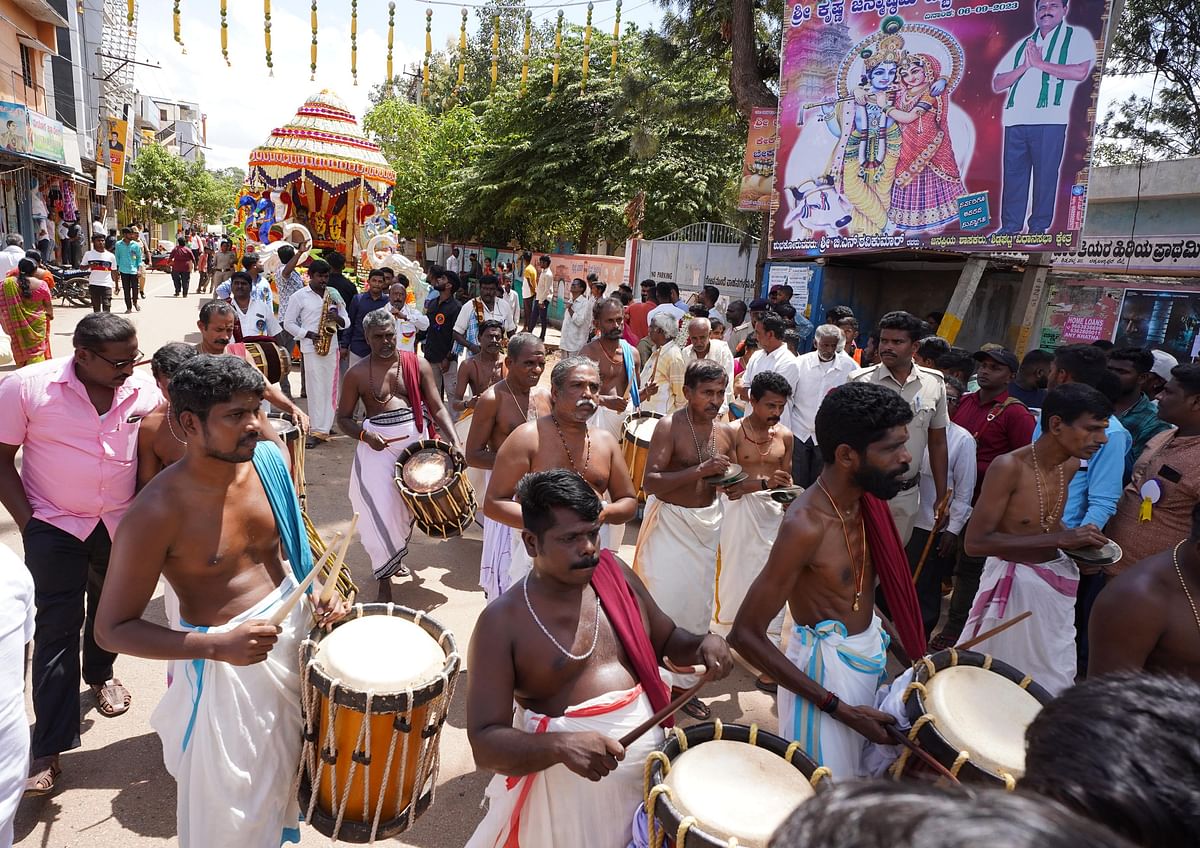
758, 166
1079, 315
14, 127
46, 137
112, 143
1167, 320
935, 124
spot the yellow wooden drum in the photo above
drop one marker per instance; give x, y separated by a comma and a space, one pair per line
432, 479
635, 443
375, 694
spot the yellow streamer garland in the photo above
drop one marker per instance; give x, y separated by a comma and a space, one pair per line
525, 51
267, 36
557, 55
428, 53
313, 49
495, 51
462, 49
354, 40
616, 36
131, 11
224, 33
391, 35
175, 25
587, 48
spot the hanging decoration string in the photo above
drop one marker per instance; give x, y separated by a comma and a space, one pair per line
428, 54
557, 55
495, 51
354, 40
225, 33
587, 48
525, 51
462, 50
313, 50
267, 36
616, 37
129, 14
175, 25
391, 39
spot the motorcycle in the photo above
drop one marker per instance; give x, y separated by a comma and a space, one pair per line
71, 284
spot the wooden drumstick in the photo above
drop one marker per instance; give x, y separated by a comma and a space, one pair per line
988, 634
336, 568
937, 514
285, 609
900, 738
662, 715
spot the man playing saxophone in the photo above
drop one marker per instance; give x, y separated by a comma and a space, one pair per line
314, 314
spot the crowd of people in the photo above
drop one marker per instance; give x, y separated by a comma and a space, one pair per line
808, 509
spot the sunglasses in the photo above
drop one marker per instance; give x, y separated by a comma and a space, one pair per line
119, 364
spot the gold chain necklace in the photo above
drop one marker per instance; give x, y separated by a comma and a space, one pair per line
712, 445
587, 447
862, 570
1187, 592
371, 380
770, 437
1044, 518
528, 402
172, 426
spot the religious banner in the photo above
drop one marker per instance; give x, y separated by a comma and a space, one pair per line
1080, 314
758, 166
936, 124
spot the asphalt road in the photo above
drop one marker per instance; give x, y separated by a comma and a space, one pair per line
114, 790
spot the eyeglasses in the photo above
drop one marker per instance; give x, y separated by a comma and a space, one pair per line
119, 364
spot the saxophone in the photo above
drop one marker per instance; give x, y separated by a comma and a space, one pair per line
325, 329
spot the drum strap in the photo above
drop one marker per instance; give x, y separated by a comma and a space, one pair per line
895, 577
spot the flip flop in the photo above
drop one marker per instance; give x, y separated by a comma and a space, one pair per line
697, 709
112, 698
766, 684
943, 640
42, 781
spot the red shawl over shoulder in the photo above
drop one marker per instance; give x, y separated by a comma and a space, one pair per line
891, 565
621, 607
410, 370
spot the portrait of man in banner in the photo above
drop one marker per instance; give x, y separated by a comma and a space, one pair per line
1038, 78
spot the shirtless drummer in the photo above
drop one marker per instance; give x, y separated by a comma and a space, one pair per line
822, 568
677, 545
502, 408
618, 363
1017, 525
562, 439
223, 526
577, 646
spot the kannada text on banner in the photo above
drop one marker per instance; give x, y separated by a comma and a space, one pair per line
935, 124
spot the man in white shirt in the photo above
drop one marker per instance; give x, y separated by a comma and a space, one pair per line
701, 345
773, 355
305, 310
487, 307
13, 253
960, 476
16, 636
738, 327
577, 319
1038, 78
453, 263
667, 295
102, 274
255, 316
545, 290
819, 372
410, 320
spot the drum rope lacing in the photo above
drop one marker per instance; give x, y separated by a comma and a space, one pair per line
550, 636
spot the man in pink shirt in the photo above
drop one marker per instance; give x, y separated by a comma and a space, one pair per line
76, 417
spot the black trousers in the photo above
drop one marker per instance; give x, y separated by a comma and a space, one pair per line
929, 584
182, 280
968, 570
101, 298
67, 577
129, 285
806, 462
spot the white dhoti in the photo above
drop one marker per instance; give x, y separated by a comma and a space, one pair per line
320, 384
520, 564
477, 477
385, 522
852, 667
557, 807
611, 420
1044, 646
749, 525
676, 558
231, 738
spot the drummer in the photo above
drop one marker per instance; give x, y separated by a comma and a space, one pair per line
502, 408
676, 553
618, 364
213, 525
217, 320
576, 645
750, 521
562, 439
480, 371
159, 441
402, 404
1017, 525
835, 539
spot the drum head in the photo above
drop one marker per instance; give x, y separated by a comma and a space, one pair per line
984, 713
381, 653
285, 429
736, 790
428, 470
639, 430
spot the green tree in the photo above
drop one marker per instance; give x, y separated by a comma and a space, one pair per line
209, 196
156, 184
1162, 38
